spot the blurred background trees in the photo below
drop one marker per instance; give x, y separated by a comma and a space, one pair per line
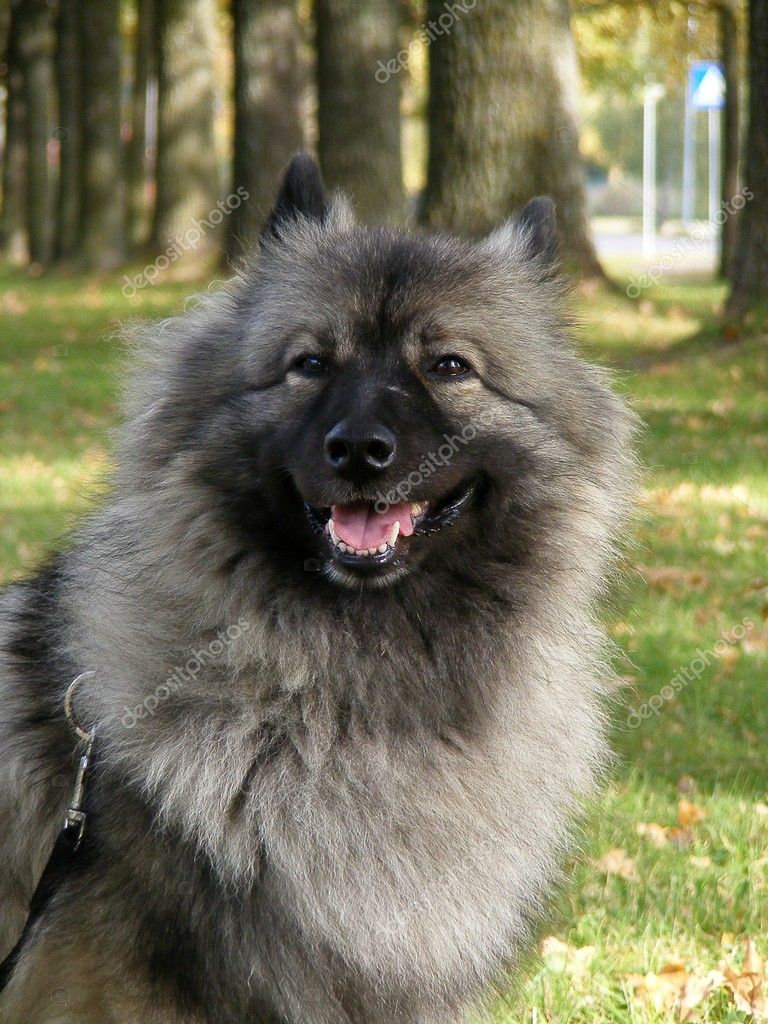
358, 114
503, 121
128, 126
269, 78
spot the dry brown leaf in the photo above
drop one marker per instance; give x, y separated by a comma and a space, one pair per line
748, 986
689, 813
654, 833
697, 990
663, 990
675, 988
680, 837
673, 579
562, 957
663, 369
663, 835
616, 862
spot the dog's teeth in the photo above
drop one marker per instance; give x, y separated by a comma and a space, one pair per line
332, 531
382, 548
342, 546
394, 534
417, 509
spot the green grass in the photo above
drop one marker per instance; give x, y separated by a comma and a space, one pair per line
701, 540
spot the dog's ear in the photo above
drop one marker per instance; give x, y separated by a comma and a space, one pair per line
537, 222
532, 234
301, 194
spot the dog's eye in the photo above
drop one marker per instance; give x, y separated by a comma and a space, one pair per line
310, 364
451, 366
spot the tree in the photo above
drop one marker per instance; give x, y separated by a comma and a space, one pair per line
728, 32
729, 56
35, 52
13, 234
359, 103
750, 269
268, 127
186, 156
68, 74
143, 70
102, 202
5, 26
503, 120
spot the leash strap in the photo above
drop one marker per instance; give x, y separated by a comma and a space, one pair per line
65, 849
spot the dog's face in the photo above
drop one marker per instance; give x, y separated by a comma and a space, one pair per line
380, 404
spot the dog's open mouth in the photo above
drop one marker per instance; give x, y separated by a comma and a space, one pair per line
369, 535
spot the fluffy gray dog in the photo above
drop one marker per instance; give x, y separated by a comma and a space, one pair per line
338, 615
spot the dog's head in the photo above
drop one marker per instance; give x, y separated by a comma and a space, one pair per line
373, 403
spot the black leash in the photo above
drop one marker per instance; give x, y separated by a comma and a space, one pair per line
66, 847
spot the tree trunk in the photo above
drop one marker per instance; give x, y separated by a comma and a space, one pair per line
68, 73
5, 25
268, 126
728, 31
187, 182
35, 48
102, 237
143, 70
750, 269
503, 120
359, 103
13, 234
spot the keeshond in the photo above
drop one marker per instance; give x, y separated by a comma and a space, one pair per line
337, 620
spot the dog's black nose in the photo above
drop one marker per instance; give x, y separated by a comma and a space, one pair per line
359, 452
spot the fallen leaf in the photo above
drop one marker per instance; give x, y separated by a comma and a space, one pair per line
680, 837
662, 990
560, 956
689, 813
697, 990
672, 579
654, 833
616, 862
748, 986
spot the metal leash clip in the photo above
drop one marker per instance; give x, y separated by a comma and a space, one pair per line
75, 818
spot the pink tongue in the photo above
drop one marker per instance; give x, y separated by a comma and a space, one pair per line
361, 526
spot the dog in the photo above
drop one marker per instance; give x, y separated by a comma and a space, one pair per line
334, 636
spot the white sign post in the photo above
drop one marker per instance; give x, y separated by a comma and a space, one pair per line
653, 94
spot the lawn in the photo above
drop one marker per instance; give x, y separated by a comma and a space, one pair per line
672, 878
